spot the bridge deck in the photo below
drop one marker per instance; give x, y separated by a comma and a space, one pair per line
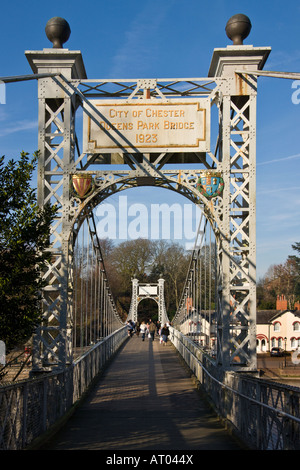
144, 400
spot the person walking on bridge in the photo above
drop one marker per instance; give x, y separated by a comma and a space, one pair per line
130, 328
143, 330
165, 333
152, 329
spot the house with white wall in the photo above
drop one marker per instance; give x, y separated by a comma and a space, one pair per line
278, 328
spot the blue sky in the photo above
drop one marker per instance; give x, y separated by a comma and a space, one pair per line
167, 39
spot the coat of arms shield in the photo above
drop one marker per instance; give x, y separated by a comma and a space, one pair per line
82, 185
210, 184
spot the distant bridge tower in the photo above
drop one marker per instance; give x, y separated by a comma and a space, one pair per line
153, 291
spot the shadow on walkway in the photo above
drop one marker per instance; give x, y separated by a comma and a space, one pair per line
145, 400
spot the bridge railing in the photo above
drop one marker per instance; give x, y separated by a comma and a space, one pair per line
265, 415
30, 408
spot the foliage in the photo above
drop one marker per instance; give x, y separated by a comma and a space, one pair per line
132, 258
296, 247
24, 239
172, 262
296, 260
280, 279
147, 260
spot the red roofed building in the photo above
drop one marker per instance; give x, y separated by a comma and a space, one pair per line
278, 328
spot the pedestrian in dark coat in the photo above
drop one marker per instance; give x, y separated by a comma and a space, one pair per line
165, 333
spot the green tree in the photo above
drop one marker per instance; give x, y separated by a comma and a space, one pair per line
24, 239
147, 260
132, 258
296, 260
280, 279
171, 262
296, 247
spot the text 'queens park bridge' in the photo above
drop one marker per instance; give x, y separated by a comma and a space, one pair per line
151, 132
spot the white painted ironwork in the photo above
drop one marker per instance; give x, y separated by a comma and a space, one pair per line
197, 313
267, 415
264, 414
30, 408
231, 214
154, 291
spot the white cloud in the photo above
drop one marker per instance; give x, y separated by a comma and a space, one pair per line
3, 115
18, 126
276, 191
282, 59
279, 160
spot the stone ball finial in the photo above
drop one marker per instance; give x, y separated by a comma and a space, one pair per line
238, 28
58, 31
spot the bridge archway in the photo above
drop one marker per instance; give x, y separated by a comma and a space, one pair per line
107, 184
142, 291
109, 140
147, 310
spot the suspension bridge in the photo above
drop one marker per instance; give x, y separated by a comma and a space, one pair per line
140, 132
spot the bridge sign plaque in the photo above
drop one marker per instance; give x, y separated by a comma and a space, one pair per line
148, 290
147, 126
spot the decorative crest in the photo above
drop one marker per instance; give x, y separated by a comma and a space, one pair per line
210, 183
83, 184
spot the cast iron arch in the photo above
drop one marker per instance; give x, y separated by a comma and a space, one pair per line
212, 209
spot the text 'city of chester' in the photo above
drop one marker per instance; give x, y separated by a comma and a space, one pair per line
147, 126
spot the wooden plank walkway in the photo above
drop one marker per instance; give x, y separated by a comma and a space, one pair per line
145, 400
